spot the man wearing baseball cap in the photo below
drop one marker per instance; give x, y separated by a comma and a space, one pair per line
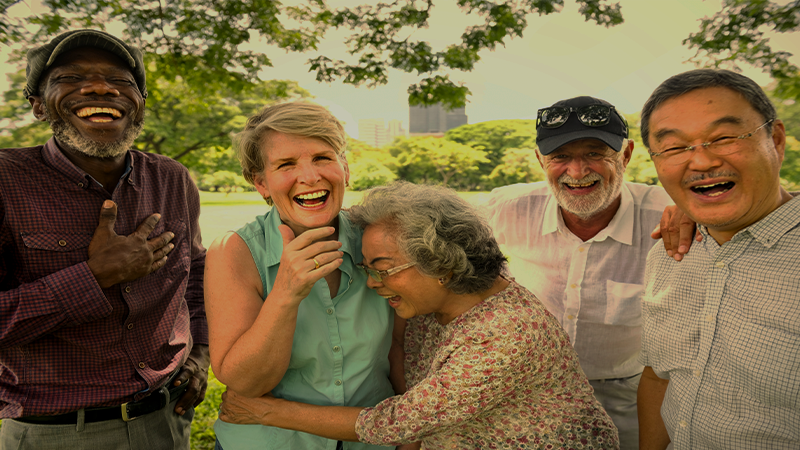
579, 241
103, 337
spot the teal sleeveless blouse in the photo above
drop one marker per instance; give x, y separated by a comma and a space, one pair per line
340, 347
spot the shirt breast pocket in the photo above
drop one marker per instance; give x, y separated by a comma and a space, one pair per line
623, 303
49, 252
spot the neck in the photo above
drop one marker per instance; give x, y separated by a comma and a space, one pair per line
588, 227
460, 303
724, 235
107, 171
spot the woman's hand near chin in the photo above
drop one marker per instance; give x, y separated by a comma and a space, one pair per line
305, 260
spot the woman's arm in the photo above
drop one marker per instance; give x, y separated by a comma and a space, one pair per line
250, 340
332, 422
652, 432
397, 356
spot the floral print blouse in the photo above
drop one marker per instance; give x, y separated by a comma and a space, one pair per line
502, 375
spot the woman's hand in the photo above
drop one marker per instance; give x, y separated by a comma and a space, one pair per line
305, 260
244, 410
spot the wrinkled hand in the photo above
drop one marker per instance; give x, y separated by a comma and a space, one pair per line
298, 272
194, 372
115, 259
243, 410
676, 229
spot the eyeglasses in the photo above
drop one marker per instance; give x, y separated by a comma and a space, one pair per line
591, 116
724, 145
378, 275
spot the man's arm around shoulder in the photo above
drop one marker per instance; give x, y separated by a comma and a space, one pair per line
652, 431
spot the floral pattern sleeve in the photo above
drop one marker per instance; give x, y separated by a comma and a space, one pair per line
477, 376
502, 375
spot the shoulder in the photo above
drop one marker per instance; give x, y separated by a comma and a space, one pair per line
12, 157
152, 162
517, 194
649, 197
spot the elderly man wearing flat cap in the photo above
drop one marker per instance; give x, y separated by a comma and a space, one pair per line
103, 337
579, 241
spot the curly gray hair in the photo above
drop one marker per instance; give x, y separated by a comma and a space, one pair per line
437, 230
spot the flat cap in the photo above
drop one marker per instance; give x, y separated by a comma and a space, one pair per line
41, 58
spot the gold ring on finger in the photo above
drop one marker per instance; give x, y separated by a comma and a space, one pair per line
316, 263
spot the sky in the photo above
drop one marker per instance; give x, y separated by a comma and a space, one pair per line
559, 56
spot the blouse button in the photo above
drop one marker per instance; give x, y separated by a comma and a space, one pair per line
329, 311
338, 382
336, 348
62, 243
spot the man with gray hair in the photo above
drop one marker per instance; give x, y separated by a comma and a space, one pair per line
103, 337
721, 340
579, 241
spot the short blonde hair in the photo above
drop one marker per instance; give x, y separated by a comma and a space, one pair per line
298, 118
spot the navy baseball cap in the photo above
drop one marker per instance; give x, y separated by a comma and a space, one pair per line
604, 124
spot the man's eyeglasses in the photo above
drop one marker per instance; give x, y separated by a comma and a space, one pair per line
724, 145
591, 116
378, 275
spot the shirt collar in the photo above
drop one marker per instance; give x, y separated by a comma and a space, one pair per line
620, 228
770, 229
56, 159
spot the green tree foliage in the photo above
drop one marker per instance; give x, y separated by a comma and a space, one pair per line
437, 160
202, 42
737, 33
369, 166
196, 129
790, 169
495, 136
518, 165
16, 117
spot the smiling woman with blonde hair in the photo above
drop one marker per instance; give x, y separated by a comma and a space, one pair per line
487, 366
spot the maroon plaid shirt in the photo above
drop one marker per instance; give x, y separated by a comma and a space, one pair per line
65, 343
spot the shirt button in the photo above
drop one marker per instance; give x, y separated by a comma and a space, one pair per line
573, 285
709, 318
142, 365
130, 326
697, 373
720, 264
62, 243
127, 289
130, 181
338, 382
329, 311
570, 317
80, 185
336, 348
350, 281
581, 249
683, 424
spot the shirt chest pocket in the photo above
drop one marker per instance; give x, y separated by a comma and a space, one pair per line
48, 252
623, 303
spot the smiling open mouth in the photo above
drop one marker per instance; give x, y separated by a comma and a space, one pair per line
98, 115
585, 185
312, 199
714, 190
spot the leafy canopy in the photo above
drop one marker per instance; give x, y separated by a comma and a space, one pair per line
204, 43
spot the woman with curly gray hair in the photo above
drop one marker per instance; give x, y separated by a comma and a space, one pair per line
486, 365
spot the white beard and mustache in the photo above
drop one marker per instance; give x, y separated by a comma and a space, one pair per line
588, 206
68, 135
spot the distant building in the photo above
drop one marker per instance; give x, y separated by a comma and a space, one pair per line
434, 120
374, 133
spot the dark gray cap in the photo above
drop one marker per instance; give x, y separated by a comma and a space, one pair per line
41, 58
613, 133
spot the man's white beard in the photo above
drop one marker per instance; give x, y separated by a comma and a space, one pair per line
588, 206
67, 135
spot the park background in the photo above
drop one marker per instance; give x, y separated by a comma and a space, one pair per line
211, 64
